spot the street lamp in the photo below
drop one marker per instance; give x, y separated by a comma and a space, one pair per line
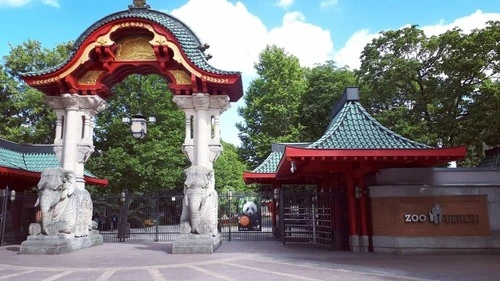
138, 124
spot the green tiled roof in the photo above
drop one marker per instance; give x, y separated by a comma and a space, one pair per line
187, 39
351, 127
32, 158
354, 128
270, 164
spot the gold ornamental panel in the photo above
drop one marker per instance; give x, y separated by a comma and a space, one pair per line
90, 77
135, 48
181, 77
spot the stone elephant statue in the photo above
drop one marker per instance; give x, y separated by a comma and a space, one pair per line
64, 208
201, 202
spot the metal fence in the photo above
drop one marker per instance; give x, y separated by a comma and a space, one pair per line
17, 211
314, 218
239, 221
126, 217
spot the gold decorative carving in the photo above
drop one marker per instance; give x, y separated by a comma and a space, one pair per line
181, 77
90, 78
135, 48
215, 80
45, 81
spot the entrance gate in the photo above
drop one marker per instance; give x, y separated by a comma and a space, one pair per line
316, 218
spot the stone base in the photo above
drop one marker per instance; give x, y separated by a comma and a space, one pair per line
196, 244
60, 244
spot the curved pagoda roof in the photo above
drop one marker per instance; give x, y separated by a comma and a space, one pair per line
174, 52
26, 162
352, 135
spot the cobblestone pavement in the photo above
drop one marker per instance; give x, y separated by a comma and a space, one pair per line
241, 261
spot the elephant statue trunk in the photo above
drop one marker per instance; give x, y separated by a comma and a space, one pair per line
64, 209
199, 210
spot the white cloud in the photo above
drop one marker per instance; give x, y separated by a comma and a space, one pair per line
236, 38
310, 43
328, 3
20, 3
351, 51
284, 3
476, 20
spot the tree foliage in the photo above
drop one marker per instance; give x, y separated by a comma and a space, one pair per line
152, 164
229, 170
272, 105
437, 90
326, 84
26, 118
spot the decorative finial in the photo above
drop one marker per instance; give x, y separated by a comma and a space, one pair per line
139, 4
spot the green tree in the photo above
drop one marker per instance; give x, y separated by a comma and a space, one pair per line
425, 87
229, 171
152, 164
326, 84
26, 118
272, 105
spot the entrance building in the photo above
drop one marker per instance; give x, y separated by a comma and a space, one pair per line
384, 191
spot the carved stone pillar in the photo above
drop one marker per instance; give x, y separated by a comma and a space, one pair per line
73, 143
202, 142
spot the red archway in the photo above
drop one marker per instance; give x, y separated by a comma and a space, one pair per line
136, 41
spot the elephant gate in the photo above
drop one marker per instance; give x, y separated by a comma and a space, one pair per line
141, 41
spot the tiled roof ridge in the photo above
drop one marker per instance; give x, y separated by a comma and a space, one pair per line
145, 14
264, 165
332, 127
384, 128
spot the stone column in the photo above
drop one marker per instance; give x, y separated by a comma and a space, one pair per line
203, 148
73, 142
202, 129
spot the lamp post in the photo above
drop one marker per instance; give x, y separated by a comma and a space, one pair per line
138, 124
230, 214
122, 224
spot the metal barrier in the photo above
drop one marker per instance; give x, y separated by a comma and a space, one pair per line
316, 218
136, 218
17, 211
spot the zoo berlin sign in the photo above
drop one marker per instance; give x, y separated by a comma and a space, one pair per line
437, 216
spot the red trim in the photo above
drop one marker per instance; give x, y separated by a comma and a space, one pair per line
95, 181
457, 152
373, 158
251, 177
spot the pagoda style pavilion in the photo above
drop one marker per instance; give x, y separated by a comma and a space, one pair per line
353, 147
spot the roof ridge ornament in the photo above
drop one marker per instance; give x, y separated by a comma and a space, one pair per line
139, 4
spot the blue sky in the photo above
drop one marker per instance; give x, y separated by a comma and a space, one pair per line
312, 30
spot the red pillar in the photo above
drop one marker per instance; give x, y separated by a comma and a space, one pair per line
362, 208
351, 203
